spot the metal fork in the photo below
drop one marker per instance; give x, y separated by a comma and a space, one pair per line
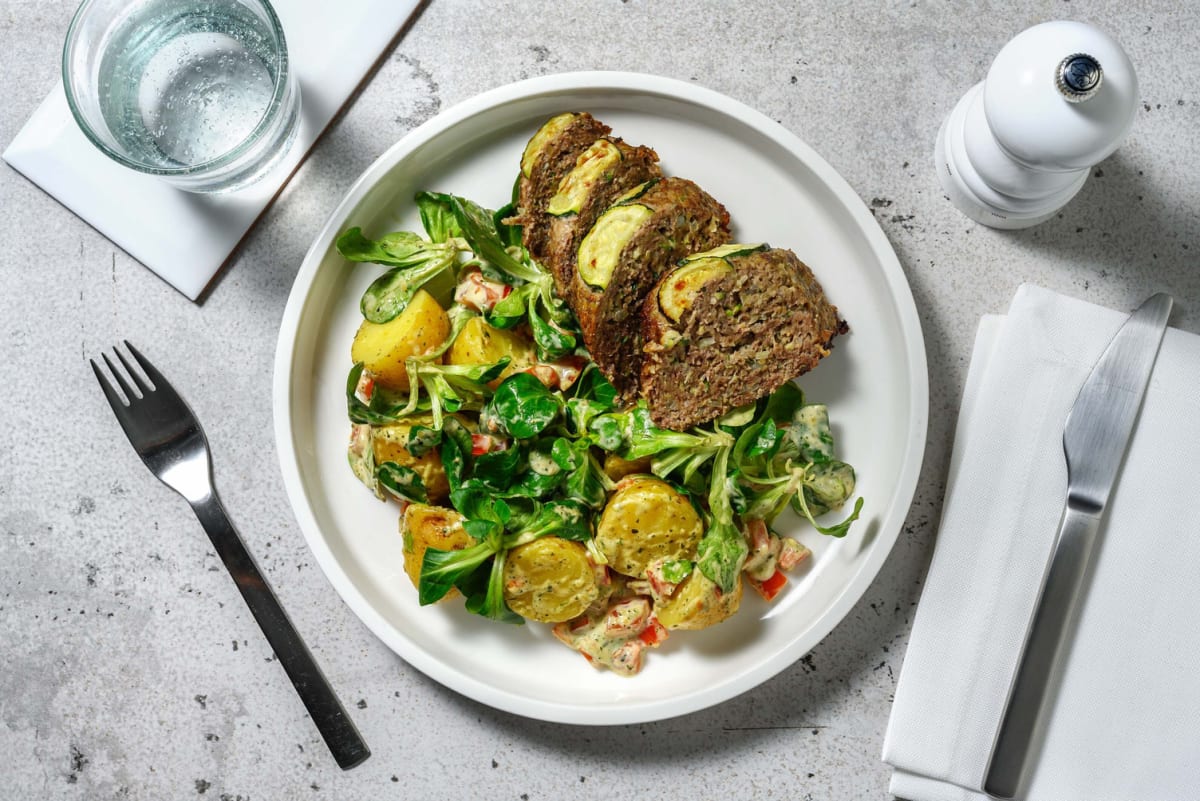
165, 433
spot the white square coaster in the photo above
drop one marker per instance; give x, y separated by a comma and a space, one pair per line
183, 237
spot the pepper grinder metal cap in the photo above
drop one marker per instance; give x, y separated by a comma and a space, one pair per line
1057, 100
1079, 77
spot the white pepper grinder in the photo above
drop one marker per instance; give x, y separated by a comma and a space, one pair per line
1058, 99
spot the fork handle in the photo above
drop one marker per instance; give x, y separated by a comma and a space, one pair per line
319, 698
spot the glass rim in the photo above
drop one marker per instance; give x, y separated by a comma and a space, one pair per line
282, 85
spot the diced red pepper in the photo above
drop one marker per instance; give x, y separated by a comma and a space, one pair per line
559, 374
627, 658
544, 373
478, 293
792, 553
659, 586
760, 537
485, 443
365, 387
627, 618
568, 369
654, 633
770, 588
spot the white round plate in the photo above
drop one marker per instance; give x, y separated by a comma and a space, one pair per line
777, 190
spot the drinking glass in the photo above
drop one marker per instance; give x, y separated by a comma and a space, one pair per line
197, 92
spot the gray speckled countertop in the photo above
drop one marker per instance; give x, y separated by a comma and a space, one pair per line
129, 668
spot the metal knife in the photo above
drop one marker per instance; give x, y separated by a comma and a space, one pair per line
1095, 438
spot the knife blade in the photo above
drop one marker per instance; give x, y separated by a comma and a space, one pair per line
1095, 437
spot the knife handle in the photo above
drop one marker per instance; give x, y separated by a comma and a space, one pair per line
1038, 668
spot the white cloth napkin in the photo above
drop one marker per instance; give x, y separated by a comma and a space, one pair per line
1125, 723
185, 238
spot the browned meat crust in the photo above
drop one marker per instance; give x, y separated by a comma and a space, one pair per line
684, 220
535, 190
745, 335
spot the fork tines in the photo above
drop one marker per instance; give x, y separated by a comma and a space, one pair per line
143, 388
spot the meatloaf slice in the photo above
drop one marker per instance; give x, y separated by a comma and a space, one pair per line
604, 172
726, 328
622, 257
549, 155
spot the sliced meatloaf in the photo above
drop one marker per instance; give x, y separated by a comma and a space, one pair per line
550, 154
605, 171
621, 258
728, 327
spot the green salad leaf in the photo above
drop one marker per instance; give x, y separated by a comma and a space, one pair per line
437, 216
723, 549
402, 481
522, 406
415, 262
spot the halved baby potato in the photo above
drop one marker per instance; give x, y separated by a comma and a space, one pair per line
481, 343
390, 443
646, 519
617, 467
698, 603
423, 527
549, 580
385, 347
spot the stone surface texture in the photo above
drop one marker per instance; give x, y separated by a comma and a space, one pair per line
129, 667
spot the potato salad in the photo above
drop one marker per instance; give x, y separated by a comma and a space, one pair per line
526, 488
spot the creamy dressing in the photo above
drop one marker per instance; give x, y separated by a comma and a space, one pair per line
811, 430
542, 464
762, 561
478, 293
792, 553
559, 374
614, 634
361, 455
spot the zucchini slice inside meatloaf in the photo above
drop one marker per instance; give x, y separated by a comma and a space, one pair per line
729, 326
549, 155
602, 173
571, 171
623, 255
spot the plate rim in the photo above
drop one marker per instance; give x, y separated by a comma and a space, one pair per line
643, 711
